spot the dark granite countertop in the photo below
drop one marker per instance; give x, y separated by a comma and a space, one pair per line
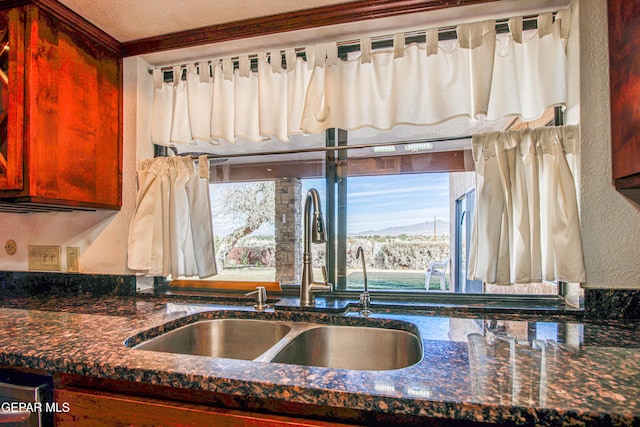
495, 368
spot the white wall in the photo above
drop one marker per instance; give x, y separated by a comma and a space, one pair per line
610, 222
102, 235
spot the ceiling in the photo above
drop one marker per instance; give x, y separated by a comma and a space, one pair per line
128, 20
131, 21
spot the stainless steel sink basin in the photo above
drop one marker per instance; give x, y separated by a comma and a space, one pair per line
297, 343
352, 347
231, 338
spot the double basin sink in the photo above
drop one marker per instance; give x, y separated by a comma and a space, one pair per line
297, 343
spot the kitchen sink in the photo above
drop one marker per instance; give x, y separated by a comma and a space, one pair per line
296, 343
231, 338
352, 347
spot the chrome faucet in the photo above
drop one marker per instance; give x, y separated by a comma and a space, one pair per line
314, 231
365, 299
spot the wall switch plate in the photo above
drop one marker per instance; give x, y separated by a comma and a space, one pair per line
45, 258
73, 259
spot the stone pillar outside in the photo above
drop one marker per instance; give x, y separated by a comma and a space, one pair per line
289, 230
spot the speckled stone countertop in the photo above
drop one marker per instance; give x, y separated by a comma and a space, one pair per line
493, 368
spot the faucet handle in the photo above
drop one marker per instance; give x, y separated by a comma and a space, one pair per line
323, 286
325, 279
261, 297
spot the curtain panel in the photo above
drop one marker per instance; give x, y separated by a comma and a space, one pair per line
482, 74
171, 232
526, 226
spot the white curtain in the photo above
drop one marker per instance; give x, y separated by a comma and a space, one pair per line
526, 226
171, 231
481, 75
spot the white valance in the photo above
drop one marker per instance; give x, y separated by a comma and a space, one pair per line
480, 75
526, 226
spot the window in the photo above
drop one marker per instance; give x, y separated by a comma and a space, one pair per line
412, 180
409, 206
257, 214
244, 218
402, 224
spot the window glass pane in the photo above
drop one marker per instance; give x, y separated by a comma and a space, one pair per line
414, 226
402, 224
244, 227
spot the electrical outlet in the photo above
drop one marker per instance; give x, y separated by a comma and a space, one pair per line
45, 258
73, 259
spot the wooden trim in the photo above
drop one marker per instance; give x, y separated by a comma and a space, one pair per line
235, 285
120, 131
75, 21
630, 181
298, 20
208, 398
100, 408
56, 203
80, 24
444, 161
629, 186
307, 168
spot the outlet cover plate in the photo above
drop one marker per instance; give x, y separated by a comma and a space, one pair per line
45, 258
73, 259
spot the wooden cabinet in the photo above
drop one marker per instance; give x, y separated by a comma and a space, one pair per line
96, 408
624, 64
60, 124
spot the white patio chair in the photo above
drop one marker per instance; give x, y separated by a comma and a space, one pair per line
439, 269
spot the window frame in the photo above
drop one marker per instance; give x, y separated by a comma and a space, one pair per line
336, 248
336, 220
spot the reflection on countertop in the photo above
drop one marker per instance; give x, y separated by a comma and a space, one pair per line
497, 368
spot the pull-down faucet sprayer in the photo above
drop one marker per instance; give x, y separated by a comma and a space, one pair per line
314, 231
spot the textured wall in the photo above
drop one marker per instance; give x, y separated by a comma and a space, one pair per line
610, 222
102, 235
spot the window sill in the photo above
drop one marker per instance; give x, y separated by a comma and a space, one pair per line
454, 306
431, 303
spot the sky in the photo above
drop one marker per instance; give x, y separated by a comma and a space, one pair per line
374, 202
378, 202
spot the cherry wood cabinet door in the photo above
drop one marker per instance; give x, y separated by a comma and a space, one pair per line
624, 63
60, 121
73, 111
96, 408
